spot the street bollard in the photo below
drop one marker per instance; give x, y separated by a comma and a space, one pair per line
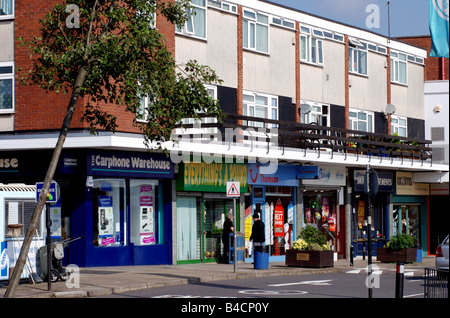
399, 277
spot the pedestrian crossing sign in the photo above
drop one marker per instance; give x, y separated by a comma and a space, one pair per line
233, 189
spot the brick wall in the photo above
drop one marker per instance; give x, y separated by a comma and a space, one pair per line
37, 110
433, 65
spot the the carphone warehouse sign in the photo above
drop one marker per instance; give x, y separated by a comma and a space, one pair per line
129, 164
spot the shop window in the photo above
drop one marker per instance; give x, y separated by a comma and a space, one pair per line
189, 228
144, 215
109, 199
406, 220
319, 208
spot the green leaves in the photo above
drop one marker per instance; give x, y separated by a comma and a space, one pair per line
126, 60
401, 241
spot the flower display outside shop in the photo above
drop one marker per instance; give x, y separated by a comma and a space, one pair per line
310, 239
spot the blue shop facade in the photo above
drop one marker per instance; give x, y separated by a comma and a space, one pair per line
117, 204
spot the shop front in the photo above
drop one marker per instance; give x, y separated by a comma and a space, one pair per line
410, 209
125, 217
274, 197
202, 207
379, 212
323, 205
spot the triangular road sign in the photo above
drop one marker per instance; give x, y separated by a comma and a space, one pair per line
233, 189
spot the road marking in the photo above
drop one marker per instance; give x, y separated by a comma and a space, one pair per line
272, 292
413, 295
308, 282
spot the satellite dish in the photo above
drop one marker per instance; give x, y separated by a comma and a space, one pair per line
390, 109
305, 108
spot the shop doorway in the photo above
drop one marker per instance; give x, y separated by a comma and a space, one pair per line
200, 227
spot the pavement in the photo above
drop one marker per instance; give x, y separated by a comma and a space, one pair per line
102, 281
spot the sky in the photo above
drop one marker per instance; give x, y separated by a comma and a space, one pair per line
407, 17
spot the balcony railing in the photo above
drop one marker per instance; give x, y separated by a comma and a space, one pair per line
310, 136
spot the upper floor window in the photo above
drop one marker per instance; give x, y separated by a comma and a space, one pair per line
255, 32
261, 106
316, 114
357, 57
311, 45
6, 9
399, 68
399, 125
361, 120
196, 23
222, 5
6, 87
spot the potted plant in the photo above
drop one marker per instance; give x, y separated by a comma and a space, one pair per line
310, 249
401, 248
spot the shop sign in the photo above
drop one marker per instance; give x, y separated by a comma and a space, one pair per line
278, 223
286, 175
211, 177
307, 172
406, 186
385, 181
329, 175
129, 164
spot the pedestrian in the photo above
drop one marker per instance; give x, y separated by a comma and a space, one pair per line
258, 236
228, 228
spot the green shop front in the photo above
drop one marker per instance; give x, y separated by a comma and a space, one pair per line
201, 209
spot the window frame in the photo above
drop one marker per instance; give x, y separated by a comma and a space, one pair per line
356, 50
396, 125
185, 29
12, 14
308, 36
249, 108
250, 25
397, 59
358, 121
8, 76
316, 116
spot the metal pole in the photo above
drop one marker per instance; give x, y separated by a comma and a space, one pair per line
399, 277
234, 234
48, 243
369, 229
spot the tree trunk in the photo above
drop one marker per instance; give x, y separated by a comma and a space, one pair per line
18, 269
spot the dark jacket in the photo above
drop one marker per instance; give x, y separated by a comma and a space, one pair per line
258, 232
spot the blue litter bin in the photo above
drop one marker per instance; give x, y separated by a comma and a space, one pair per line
261, 260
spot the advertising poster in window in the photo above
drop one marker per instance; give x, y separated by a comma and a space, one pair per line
361, 215
279, 220
55, 217
147, 215
105, 220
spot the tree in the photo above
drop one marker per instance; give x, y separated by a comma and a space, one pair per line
107, 51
